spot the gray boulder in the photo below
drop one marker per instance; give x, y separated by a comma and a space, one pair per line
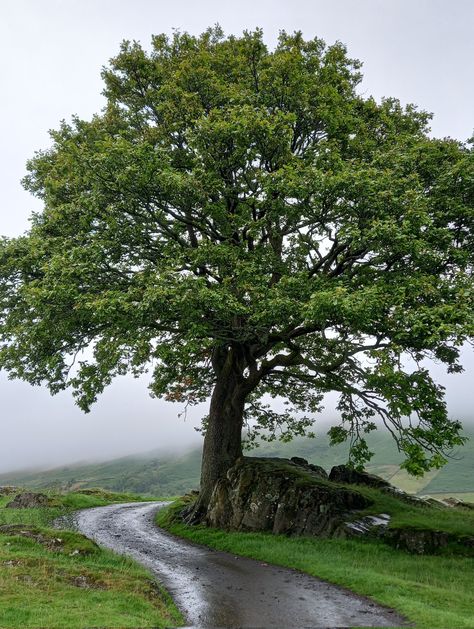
346, 474
29, 500
317, 469
8, 490
280, 496
429, 542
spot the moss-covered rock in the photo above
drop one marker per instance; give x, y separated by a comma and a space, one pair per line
30, 500
428, 542
8, 490
281, 496
346, 474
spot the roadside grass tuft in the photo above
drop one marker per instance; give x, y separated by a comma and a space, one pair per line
455, 520
61, 579
434, 592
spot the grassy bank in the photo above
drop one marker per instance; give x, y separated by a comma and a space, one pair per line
431, 591
58, 578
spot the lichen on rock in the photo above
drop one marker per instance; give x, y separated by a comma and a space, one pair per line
281, 496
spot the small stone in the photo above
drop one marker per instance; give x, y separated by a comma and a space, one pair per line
29, 500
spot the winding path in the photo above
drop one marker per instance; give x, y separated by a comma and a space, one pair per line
217, 589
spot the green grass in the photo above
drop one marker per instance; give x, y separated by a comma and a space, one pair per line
424, 516
59, 578
434, 592
152, 474
62, 503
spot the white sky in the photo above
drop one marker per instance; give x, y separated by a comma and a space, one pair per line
51, 53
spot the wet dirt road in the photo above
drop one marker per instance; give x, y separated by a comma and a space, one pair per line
216, 589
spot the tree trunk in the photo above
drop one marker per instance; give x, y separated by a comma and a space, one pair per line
223, 438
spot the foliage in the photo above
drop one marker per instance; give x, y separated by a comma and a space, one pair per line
235, 205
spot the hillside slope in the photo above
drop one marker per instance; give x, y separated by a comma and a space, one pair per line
155, 474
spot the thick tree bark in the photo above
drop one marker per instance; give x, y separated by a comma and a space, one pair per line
223, 438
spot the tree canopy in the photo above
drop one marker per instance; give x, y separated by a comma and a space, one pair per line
243, 215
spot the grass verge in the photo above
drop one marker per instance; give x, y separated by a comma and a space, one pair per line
59, 578
434, 592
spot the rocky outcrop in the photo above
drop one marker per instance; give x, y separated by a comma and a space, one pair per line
428, 542
281, 496
368, 526
410, 499
8, 490
455, 502
29, 500
346, 474
317, 469
294, 497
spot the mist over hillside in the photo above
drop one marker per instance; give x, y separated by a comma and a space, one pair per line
159, 474
46, 432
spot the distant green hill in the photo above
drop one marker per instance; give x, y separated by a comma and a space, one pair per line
158, 475
147, 474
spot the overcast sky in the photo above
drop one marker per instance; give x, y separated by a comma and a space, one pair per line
51, 53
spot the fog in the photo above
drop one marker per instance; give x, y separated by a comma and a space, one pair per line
51, 53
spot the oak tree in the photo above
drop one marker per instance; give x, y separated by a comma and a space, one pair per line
242, 223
